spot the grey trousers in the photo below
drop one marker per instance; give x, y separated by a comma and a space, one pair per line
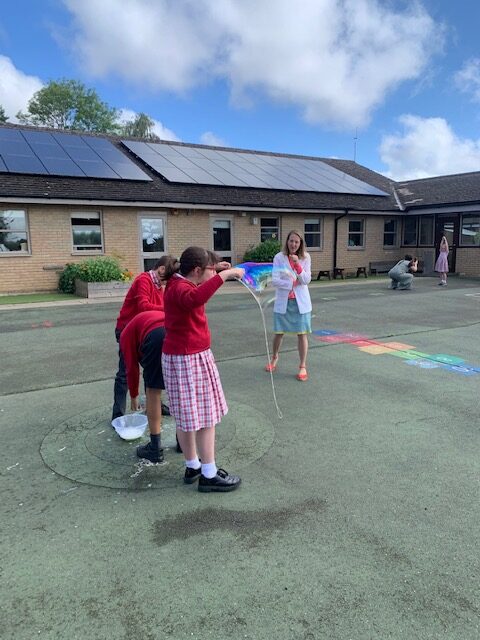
401, 281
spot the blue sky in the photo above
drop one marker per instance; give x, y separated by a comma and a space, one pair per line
292, 76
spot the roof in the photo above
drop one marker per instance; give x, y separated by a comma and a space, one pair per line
160, 191
459, 189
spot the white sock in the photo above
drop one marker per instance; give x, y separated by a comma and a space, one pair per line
209, 470
193, 464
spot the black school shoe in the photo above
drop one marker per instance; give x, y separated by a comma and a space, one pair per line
148, 452
223, 481
191, 475
165, 410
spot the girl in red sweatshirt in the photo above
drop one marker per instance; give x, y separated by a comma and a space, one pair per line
191, 376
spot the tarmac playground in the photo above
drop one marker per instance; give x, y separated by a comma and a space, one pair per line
358, 515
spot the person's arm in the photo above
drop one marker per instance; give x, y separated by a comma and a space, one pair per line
413, 265
304, 273
144, 294
130, 356
191, 297
282, 277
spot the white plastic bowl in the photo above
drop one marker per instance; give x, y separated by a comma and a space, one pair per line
130, 426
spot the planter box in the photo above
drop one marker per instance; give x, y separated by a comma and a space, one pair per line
113, 289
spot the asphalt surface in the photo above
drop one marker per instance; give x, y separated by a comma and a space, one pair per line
358, 513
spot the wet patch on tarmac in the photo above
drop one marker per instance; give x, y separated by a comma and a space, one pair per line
86, 449
250, 526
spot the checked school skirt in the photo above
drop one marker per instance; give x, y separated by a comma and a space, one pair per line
195, 392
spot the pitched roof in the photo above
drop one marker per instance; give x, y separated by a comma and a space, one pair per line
161, 191
457, 189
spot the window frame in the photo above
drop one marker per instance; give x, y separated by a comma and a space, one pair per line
276, 226
462, 217
153, 255
86, 251
419, 231
414, 244
316, 247
26, 231
393, 233
362, 233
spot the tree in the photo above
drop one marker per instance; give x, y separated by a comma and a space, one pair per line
69, 104
140, 127
3, 117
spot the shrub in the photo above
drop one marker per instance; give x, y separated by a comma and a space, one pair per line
102, 269
264, 252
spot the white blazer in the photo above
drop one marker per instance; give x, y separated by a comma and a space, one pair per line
283, 278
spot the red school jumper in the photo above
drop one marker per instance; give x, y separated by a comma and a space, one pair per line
131, 341
143, 295
185, 319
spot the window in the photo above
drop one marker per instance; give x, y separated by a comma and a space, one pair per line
152, 239
410, 231
87, 232
356, 233
313, 233
13, 231
269, 229
390, 233
471, 230
426, 230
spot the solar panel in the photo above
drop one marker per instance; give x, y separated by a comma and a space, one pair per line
64, 154
203, 165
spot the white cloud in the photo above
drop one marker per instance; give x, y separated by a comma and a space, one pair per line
468, 78
335, 60
16, 88
428, 147
211, 139
159, 129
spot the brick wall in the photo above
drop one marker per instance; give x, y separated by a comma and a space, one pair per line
51, 241
468, 261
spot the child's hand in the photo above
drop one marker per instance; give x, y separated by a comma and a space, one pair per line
238, 272
135, 403
220, 266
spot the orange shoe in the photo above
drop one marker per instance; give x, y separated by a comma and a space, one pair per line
302, 376
272, 365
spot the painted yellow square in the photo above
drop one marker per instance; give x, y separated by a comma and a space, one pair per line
375, 349
399, 346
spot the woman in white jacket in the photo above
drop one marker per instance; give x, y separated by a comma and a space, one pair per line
292, 308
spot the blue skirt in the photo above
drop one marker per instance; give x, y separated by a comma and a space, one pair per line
292, 321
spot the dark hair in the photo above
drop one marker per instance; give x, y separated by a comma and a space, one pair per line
408, 257
301, 249
191, 258
165, 261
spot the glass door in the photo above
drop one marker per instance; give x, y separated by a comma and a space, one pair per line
222, 242
447, 226
152, 239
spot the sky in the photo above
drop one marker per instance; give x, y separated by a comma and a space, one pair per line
393, 84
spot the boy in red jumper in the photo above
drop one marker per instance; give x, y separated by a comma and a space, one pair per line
191, 376
145, 294
141, 343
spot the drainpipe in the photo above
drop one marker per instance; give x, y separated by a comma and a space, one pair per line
335, 238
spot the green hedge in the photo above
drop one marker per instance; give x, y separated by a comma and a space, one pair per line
264, 252
102, 269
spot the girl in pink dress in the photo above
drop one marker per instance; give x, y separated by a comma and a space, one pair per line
441, 265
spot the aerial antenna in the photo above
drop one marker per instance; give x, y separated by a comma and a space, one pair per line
355, 145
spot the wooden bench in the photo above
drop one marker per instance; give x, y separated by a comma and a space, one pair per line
361, 270
384, 266
324, 272
381, 266
338, 273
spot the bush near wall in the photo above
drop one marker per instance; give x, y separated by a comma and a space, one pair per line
264, 252
102, 269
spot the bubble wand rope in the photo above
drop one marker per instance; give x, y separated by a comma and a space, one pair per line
279, 412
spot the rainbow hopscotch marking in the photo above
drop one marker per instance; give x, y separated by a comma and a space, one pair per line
407, 352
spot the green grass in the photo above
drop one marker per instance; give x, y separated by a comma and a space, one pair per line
28, 298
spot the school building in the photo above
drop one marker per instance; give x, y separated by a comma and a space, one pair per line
67, 196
